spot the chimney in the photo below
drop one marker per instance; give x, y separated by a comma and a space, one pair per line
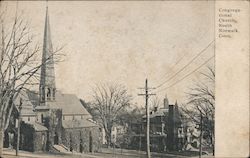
171, 127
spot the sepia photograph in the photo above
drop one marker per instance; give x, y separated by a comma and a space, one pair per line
107, 79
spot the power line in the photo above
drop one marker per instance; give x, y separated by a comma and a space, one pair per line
177, 62
187, 75
202, 51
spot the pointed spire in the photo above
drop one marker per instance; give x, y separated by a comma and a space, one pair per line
166, 102
166, 96
47, 79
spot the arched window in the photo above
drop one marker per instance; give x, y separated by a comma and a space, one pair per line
42, 118
42, 94
48, 93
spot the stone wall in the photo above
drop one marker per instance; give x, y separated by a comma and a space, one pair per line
40, 139
54, 124
27, 137
82, 139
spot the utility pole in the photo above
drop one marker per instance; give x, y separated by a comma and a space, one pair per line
18, 126
146, 88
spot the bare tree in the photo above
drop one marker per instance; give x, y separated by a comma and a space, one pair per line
19, 65
108, 101
200, 107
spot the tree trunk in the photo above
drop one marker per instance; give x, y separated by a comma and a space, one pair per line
107, 136
108, 133
109, 140
1, 142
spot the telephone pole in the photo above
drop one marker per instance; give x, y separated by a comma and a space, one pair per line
146, 88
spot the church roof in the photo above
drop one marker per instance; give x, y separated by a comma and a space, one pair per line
70, 104
27, 106
38, 127
78, 123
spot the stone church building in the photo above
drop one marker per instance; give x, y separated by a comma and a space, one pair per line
52, 120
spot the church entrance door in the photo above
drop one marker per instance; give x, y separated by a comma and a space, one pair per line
81, 146
56, 139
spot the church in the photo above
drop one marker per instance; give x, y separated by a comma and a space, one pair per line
51, 120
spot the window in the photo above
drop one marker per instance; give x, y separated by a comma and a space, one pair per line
28, 118
42, 94
48, 93
42, 118
54, 93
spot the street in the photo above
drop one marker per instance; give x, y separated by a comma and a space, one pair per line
106, 153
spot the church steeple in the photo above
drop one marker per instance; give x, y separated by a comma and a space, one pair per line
166, 103
47, 87
176, 104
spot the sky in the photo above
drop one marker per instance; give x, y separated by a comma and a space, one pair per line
124, 42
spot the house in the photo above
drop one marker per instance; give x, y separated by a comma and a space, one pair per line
50, 119
166, 129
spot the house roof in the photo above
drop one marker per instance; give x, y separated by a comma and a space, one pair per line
159, 112
78, 123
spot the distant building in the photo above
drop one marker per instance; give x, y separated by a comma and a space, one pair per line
116, 131
51, 120
166, 129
